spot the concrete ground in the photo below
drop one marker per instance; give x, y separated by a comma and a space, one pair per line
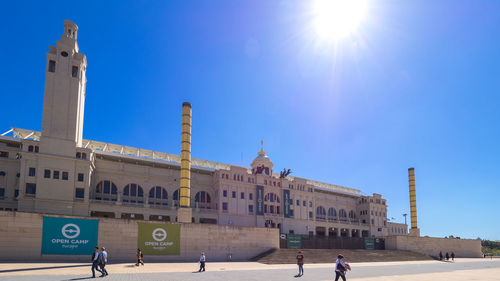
461, 269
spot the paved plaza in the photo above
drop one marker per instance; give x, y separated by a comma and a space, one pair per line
461, 269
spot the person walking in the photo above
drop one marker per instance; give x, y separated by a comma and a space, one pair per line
452, 256
140, 257
447, 256
103, 260
202, 262
95, 261
440, 255
340, 268
300, 263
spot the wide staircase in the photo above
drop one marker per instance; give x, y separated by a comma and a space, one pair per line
283, 256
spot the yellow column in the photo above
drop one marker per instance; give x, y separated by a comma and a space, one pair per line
413, 198
185, 181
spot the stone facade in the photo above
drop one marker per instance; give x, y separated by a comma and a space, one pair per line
21, 236
58, 172
463, 248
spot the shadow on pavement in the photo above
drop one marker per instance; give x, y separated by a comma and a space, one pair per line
41, 268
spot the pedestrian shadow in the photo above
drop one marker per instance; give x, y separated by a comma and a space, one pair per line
41, 268
81, 278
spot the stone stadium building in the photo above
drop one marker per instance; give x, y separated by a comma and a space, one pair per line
58, 172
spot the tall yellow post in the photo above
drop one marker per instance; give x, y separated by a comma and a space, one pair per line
414, 231
184, 213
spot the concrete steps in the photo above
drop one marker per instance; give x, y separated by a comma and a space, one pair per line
287, 256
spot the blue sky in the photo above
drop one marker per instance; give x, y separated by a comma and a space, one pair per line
417, 85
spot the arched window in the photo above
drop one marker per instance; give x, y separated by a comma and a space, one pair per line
202, 200
133, 193
272, 203
332, 214
106, 190
176, 197
320, 213
158, 196
30, 148
352, 215
342, 214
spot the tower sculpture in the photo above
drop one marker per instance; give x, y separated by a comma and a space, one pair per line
414, 230
184, 213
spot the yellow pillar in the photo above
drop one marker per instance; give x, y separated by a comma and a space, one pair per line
414, 231
185, 181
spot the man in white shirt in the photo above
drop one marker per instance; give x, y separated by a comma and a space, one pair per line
202, 262
103, 261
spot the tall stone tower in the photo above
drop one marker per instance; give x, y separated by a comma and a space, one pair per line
56, 178
64, 99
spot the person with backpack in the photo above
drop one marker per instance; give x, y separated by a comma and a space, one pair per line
140, 257
300, 263
341, 267
95, 262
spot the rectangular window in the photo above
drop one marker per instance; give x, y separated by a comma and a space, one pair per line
277, 209
46, 174
31, 188
304, 203
36, 149
65, 176
271, 209
310, 204
16, 193
224, 206
242, 195
4, 154
373, 222
52, 66
250, 196
233, 194
224, 193
2, 192
291, 213
56, 175
298, 202
74, 71
32, 172
79, 193
250, 209
310, 215
80, 176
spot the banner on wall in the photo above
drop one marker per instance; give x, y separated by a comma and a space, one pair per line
260, 200
68, 236
159, 239
286, 203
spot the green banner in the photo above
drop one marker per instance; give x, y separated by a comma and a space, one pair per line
294, 241
369, 243
159, 239
67, 236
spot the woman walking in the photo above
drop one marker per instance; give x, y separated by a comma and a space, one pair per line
341, 267
139, 257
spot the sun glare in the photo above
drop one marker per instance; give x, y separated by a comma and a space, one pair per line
335, 19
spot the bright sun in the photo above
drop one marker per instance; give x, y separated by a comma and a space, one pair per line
335, 19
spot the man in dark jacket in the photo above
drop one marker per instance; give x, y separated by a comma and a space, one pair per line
95, 261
